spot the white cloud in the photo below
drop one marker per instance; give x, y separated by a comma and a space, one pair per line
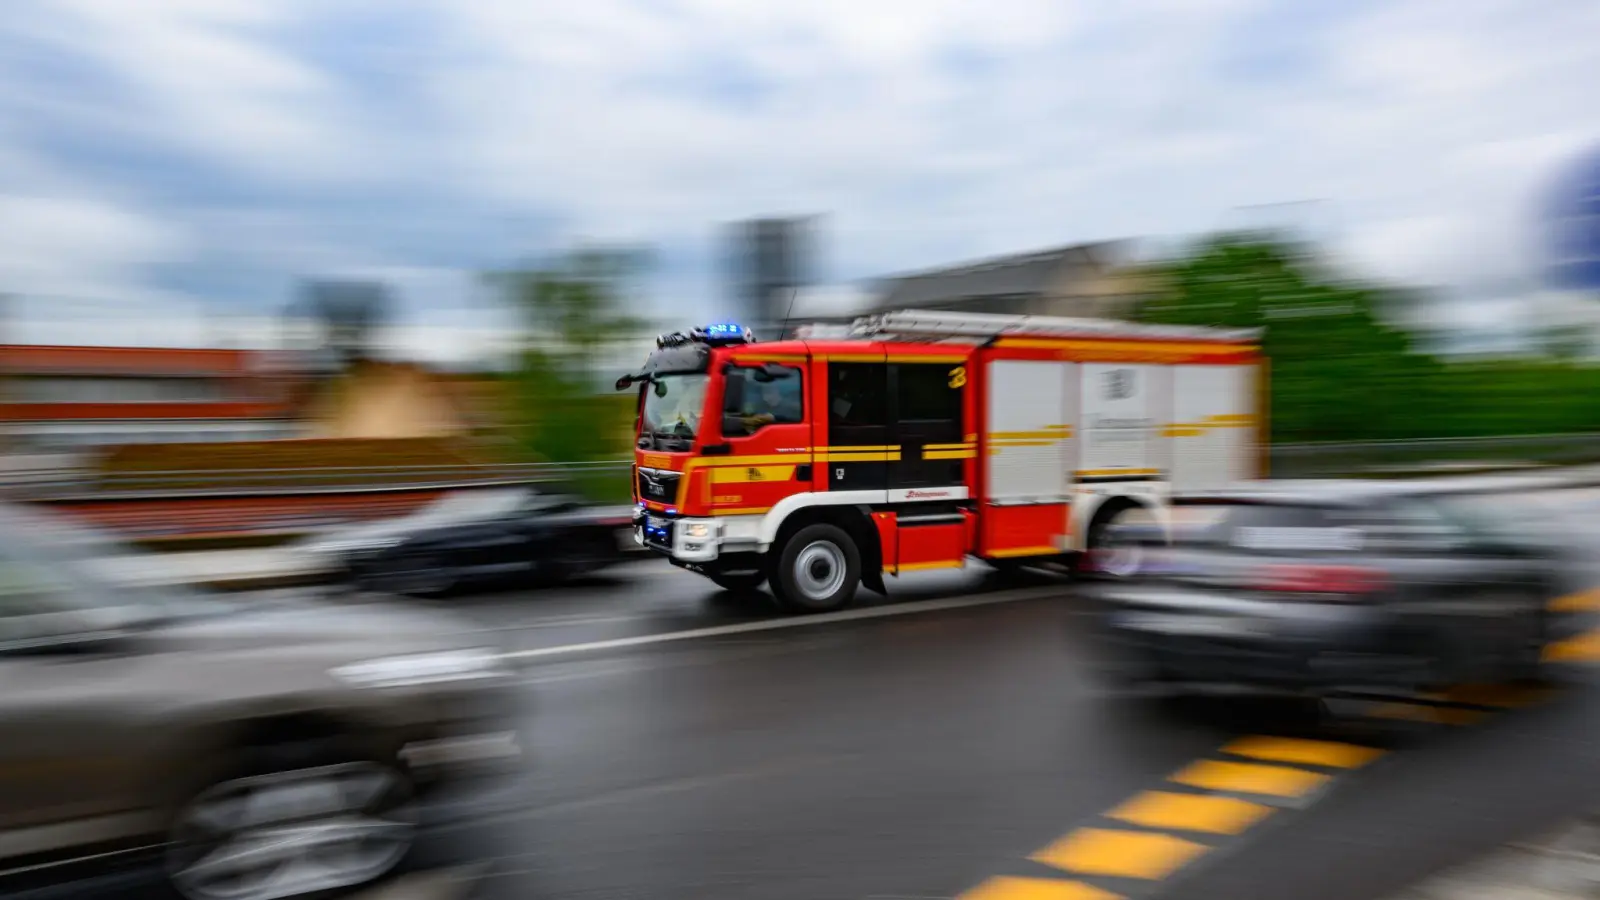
213, 77
927, 132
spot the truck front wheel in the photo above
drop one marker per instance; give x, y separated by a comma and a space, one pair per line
818, 570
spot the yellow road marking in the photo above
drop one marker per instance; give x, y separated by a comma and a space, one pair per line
1191, 812
1505, 696
1121, 854
1440, 715
1303, 752
1005, 887
1583, 601
1583, 648
1250, 778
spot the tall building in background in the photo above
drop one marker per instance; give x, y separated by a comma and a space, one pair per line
769, 260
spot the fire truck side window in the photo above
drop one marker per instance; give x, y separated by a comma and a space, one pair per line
856, 395
927, 394
763, 400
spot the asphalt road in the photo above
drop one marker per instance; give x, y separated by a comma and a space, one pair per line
922, 752
689, 744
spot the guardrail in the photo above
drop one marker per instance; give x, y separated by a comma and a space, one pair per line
1287, 461
267, 482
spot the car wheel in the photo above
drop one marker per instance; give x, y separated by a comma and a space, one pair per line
1528, 665
818, 570
1109, 555
281, 832
581, 556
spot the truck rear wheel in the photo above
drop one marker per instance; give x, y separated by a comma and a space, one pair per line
818, 570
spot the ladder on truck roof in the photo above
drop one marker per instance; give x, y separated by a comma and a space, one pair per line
933, 325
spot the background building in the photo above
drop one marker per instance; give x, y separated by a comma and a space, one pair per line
1093, 280
769, 260
70, 398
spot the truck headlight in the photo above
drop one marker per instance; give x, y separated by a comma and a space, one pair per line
422, 668
697, 530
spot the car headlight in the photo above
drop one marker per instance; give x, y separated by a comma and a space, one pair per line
369, 546
422, 668
697, 530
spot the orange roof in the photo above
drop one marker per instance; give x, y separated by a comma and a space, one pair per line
130, 361
62, 412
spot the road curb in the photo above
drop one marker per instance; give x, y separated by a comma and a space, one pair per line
1560, 864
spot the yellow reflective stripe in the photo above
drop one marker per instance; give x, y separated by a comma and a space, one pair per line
1023, 551
926, 566
751, 474
876, 456
949, 454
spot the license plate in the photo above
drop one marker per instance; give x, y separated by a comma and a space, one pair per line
653, 522
1195, 626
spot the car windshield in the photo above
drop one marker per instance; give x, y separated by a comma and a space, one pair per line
1267, 528
673, 405
52, 581
1506, 517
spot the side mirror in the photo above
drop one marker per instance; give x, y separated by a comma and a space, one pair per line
624, 382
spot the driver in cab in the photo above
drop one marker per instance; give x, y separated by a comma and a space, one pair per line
776, 401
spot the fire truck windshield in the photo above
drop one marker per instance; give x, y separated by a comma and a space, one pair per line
672, 408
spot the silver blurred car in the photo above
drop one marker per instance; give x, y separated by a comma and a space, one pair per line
1315, 587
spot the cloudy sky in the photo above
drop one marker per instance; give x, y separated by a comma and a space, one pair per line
169, 162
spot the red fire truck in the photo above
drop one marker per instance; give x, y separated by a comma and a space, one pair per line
921, 440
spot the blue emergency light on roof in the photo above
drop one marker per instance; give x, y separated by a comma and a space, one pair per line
724, 333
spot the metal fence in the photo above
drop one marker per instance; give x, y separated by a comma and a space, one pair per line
1287, 461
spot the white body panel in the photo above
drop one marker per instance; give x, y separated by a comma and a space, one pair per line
1123, 408
1026, 441
1214, 427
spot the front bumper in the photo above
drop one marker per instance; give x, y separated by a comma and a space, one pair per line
683, 539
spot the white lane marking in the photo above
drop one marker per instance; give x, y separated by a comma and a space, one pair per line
847, 615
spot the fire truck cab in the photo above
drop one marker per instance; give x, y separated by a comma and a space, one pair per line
921, 440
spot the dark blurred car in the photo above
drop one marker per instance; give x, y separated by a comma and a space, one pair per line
1320, 586
481, 539
160, 740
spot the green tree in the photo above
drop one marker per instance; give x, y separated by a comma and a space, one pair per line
574, 312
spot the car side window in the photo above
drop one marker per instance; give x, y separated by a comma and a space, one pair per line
763, 400
33, 602
1412, 527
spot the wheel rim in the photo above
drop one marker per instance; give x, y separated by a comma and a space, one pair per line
417, 576
1117, 558
294, 833
819, 570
